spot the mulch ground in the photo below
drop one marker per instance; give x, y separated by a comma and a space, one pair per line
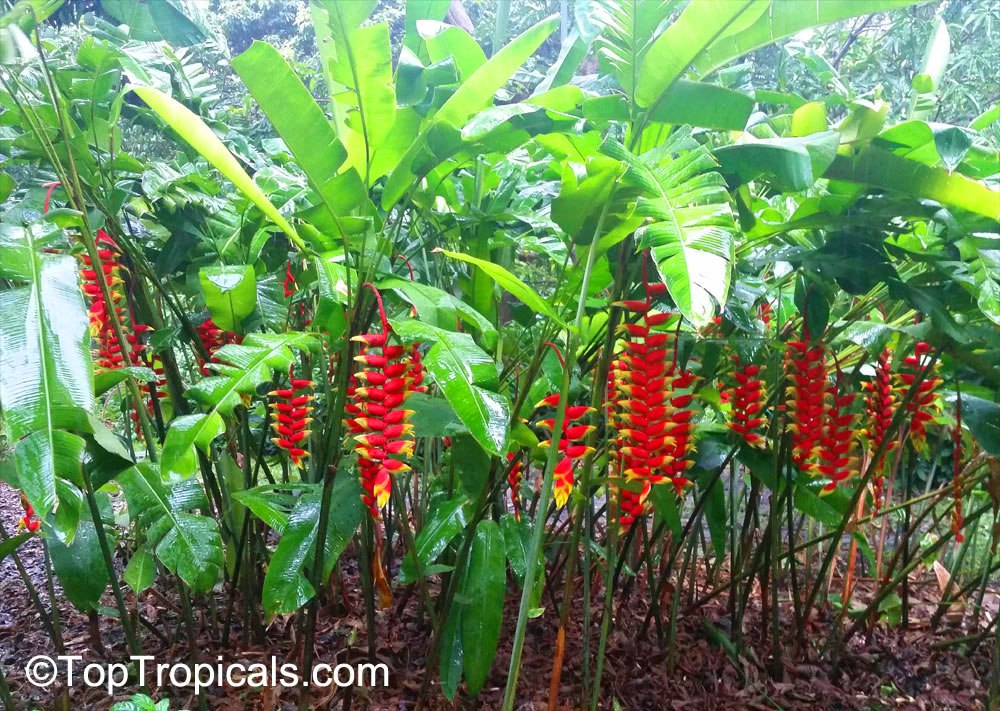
891, 668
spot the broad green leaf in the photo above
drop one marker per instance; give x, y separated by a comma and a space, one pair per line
507, 281
879, 168
676, 49
446, 521
776, 19
180, 460
192, 129
468, 378
140, 573
45, 362
163, 20
982, 417
790, 164
80, 567
475, 92
451, 649
40, 458
484, 590
690, 227
188, 544
444, 41
433, 417
627, 31
439, 308
10, 546
286, 585
297, 118
923, 101
268, 505
417, 10
230, 294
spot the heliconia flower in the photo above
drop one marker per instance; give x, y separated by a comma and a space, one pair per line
837, 458
379, 423
923, 406
514, 475
569, 443
805, 365
212, 339
107, 271
292, 407
288, 284
747, 398
764, 311
880, 407
28, 522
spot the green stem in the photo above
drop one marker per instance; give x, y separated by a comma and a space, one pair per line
543, 504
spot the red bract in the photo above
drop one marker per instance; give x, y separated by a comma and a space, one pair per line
880, 406
380, 425
212, 339
806, 368
288, 285
922, 407
837, 460
292, 406
570, 444
28, 522
514, 475
91, 275
748, 398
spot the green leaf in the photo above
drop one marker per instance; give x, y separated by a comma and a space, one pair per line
180, 460
80, 567
925, 84
982, 417
45, 362
439, 308
776, 19
790, 164
297, 118
475, 92
524, 293
433, 417
451, 649
188, 545
469, 380
192, 129
9, 546
879, 168
140, 573
446, 521
676, 49
286, 586
268, 505
40, 458
448, 42
163, 20
484, 589
7, 186
230, 294
690, 227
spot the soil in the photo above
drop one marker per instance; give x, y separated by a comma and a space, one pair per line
891, 668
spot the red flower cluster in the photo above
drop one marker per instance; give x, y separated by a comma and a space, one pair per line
109, 271
836, 460
28, 522
291, 413
806, 367
380, 425
571, 447
923, 405
514, 475
880, 406
748, 399
212, 339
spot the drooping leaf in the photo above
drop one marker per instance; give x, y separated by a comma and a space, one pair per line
140, 573
80, 567
230, 294
468, 378
484, 590
790, 164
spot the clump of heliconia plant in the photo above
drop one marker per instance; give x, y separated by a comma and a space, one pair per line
292, 407
805, 365
747, 399
515, 473
837, 457
880, 407
378, 421
922, 407
570, 444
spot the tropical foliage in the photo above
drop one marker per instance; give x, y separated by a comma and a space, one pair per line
474, 338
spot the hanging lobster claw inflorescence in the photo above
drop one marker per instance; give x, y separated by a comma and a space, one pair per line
748, 398
923, 406
880, 407
292, 407
805, 364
